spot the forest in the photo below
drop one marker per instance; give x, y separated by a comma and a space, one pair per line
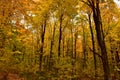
59, 40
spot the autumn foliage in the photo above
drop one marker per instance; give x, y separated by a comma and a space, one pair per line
59, 40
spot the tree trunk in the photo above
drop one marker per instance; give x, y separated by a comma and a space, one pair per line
42, 43
93, 44
60, 35
100, 39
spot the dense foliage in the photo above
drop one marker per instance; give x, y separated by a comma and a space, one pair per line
59, 40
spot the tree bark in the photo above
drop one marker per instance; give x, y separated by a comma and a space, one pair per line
100, 38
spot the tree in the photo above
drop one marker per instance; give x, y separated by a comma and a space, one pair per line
94, 5
93, 43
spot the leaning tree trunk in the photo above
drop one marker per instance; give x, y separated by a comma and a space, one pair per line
93, 44
100, 38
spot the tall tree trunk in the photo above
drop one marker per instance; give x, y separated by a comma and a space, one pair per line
60, 34
100, 38
93, 44
42, 43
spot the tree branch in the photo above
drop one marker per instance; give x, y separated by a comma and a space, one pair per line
95, 53
85, 3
